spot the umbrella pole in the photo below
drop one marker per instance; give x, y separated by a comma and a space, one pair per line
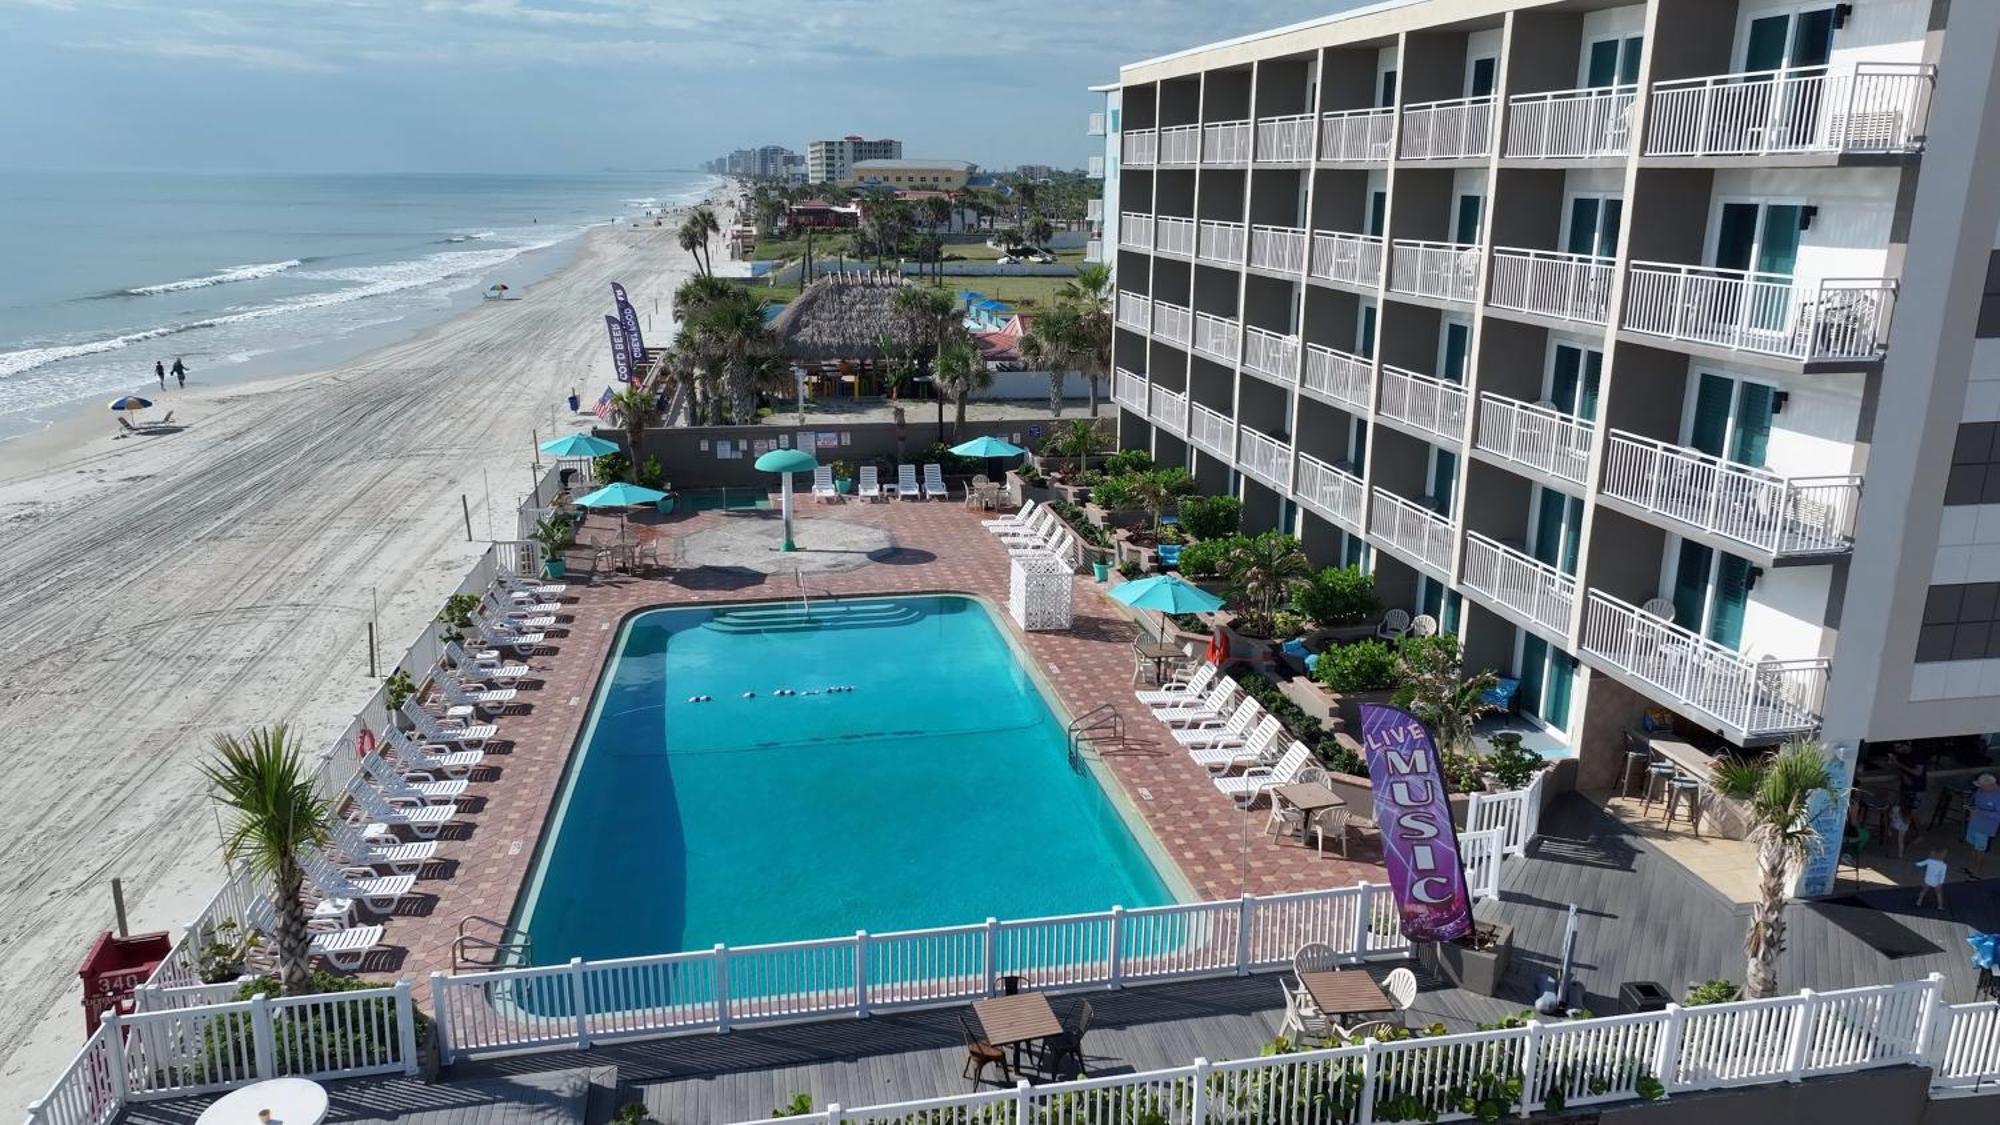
785, 500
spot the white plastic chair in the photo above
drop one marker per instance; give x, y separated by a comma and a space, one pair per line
906, 483
870, 486
1424, 625
823, 489
1395, 624
1401, 987
1662, 608
934, 488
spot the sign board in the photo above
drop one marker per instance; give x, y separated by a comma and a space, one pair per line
1419, 844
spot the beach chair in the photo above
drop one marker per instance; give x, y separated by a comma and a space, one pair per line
1231, 731
870, 486
396, 787
534, 615
906, 483
823, 487
1006, 523
414, 758
125, 424
934, 488
1033, 534
1180, 689
344, 947
379, 893
1256, 750
467, 702
499, 635
486, 671
356, 849
1213, 707
450, 731
380, 814
521, 588
1250, 785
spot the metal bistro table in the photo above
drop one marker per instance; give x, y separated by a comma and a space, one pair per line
1013, 1022
1341, 994
292, 1101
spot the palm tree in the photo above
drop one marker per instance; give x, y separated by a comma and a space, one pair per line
734, 330
1050, 344
1268, 569
634, 405
690, 241
1779, 791
705, 224
937, 214
1435, 689
278, 817
1088, 296
1039, 231
961, 370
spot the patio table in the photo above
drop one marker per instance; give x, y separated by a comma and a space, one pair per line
1159, 653
1349, 993
292, 1101
1311, 798
1013, 1022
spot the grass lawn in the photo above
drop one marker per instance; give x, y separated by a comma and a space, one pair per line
757, 288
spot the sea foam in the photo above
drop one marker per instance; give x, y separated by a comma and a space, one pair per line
219, 277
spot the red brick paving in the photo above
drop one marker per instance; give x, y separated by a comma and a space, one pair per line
1220, 851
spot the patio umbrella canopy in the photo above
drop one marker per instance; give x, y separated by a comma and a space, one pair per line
785, 462
1164, 594
578, 445
991, 448
623, 494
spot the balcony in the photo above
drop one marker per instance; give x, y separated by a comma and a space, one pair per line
1135, 310
1180, 144
1533, 590
1211, 430
1750, 700
1270, 354
1866, 108
1574, 287
1349, 259
1225, 144
1534, 436
1173, 235
1571, 124
1094, 168
1285, 140
1093, 250
1217, 337
1221, 242
1332, 492
1172, 322
1447, 271
1415, 531
1170, 409
1356, 136
1095, 127
1339, 376
1747, 511
1835, 321
1278, 249
1264, 457
1459, 129
1432, 406
1093, 209
1135, 230
1140, 147
1129, 391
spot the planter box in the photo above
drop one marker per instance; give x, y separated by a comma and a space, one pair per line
1475, 970
1348, 704
1338, 635
1255, 651
1022, 492
1114, 519
1128, 551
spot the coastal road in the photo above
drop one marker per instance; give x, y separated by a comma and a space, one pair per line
155, 591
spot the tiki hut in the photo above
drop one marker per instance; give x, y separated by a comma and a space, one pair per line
839, 317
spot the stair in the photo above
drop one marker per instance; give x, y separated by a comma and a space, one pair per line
826, 613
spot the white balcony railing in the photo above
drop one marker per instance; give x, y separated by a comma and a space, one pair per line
1135, 310
1766, 313
1352, 259
1413, 529
1278, 249
1217, 336
1173, 235
1757, 698
1172, 322
1093, 209
1458, 129
1180, 144
1335, 493
1141, 147
1448, 271
1536, 436
1129, 390
1210, 430
1356, 136
1264, 457
1285, 140
1222, 241
1571, 124
1566, 286
1339, 375
1225, 143
1431, 405
1170, 408
1135, 230
1094, 168
1095, 126
1271, 354
1093, 250
1777, 515
1532, 588
1865, 108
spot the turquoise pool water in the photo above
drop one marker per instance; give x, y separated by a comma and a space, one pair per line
933, 788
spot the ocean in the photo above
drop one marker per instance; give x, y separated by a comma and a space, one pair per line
244, 275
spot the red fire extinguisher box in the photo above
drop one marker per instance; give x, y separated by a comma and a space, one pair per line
114, 967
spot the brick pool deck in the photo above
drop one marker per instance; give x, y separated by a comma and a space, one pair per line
939, 547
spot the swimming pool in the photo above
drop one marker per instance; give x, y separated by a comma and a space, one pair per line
932, 787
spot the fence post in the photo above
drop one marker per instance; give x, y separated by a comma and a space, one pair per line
1364, 912
1021, 1101
1116, 946
1795, 1053
834, 1113
263, 1042
1364, 1114
861, 974
440, 1011
1245, 910
1531, 1049
1666, 1066
992, 954
579, 1002
1198, 1103
721, 988
406, 1027
114, 1057
1927, 1016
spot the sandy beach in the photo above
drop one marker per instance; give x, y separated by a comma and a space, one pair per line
159, 589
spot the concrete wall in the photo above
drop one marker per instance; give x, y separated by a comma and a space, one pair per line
689, 466
1891, 1096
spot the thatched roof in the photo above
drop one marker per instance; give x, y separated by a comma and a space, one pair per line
840, 316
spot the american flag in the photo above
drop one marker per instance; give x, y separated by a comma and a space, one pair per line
602, 408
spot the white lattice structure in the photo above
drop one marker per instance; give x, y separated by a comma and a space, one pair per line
1039, 593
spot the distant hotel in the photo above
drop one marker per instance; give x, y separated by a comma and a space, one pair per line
770, 162
911, 175
832, 162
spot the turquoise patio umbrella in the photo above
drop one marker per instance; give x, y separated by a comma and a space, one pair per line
785, 462
578, 445
1164, 594
621, 495
991, 448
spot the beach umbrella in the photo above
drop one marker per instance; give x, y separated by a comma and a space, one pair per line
578, 445
785, 462
991, 448
621, 495
1165, 594
131, 402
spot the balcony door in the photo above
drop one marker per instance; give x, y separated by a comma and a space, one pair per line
1760, 239
1378, 212
1613, 62
1711, 592
1385, 90
1546, 674
1454, 350
1798, 44
1481, 77
1730, 419
1443, 481
1573, 378
1470, 211
1557, 530
1593, 222
1789, 40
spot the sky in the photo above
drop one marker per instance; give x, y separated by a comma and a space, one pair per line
568, 85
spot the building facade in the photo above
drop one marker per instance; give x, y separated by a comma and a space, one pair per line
832, 162
910, 175
1641, 344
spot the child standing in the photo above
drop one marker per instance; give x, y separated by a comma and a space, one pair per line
1935, 869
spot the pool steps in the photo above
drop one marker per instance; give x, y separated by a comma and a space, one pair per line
792, 618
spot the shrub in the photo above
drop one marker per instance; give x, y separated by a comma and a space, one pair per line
457, 615
1114, 493
1130, 569
1211, 517
1341, 758
1512, 765
1205, 557
1338, 595
612, 468
1073, 516
400, 689
1463, 773
1363, 666
650, 474
801, 1105
1128, 461
1174, 480
312, 1033
1717, 991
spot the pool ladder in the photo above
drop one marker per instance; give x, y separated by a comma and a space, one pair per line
1087, 727
805, 596
500, 945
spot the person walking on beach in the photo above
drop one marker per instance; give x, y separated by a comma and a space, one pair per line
180, 373
160, 373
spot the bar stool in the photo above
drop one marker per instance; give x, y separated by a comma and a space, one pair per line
1685, 790
1659, 776
1637, 755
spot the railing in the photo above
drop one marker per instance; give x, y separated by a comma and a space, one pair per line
1532, 588
1171, 322
1412, 529
1780, 516
1285, 140
1095, 126
1225, 142
1221, 241
1356, 136
1448, 271
1093, 209
1871, 108
1211, 430
1093, 250
1216, 336
1170, 408
1759, 698
1180, 144
584, 1002
1333, 492
1431, 405
1481, 852
1135, 230
1516, 814
1279, 249
1173, 235
1270, 354
1571, 124
1094, 167
1353, 259
1140, 147
1966, 1046
1550, 283
1340, 376
1264, 457
1767, 313
1135, 310
1536, 436
1457, 129
1128, 390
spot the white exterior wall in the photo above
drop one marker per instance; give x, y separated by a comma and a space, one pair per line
1849, 236
1876, 31
1608, 23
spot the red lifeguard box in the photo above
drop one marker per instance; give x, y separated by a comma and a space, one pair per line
114, 967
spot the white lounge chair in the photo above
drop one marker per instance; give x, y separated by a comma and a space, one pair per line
357, 849
934, 488
398, 788
466, 736
471, 702
1004, 523
1255, 750
490, 671
532, 616
1253, 783
343, 946
823, 487
382, 814
497, 635
906, 483
1213, 707
528, 584
870, 485
1233, 730
414, 758
1033, 534
1176, 692
379, 893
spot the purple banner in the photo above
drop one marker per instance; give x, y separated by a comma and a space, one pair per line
621, 362
1419, 844
635, 344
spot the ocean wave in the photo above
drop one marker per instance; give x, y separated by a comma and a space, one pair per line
219, 277
476, 236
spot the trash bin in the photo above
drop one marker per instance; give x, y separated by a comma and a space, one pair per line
1643, 996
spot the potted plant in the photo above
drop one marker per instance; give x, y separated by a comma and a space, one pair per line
1341, 602
1476, 962
843, 477
1362, 672
1100, 569
555, 537
1431, 684
1264, 571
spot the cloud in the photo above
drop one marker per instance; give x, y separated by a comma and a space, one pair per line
261, 56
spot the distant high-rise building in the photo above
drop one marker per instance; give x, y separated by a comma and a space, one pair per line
774, 162
1035, 171
829, 162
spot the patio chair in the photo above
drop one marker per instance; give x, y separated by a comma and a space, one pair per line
356, 849
1250, 786
448, 731
467, 703
934, 488
1423, 625
1401, 988
1394, 624
416, 759
495, 635
1069, 1045
870, 485
382, 814
398, 788
526, 615
1362, 1032
1001, 523
379, 893
823, 487
1232, 731
343, 946
1315, 957
906, 483
1178, 690
1332, 821
1304, 1023
486, 669
1256, 750
1214, 707
979, 1054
